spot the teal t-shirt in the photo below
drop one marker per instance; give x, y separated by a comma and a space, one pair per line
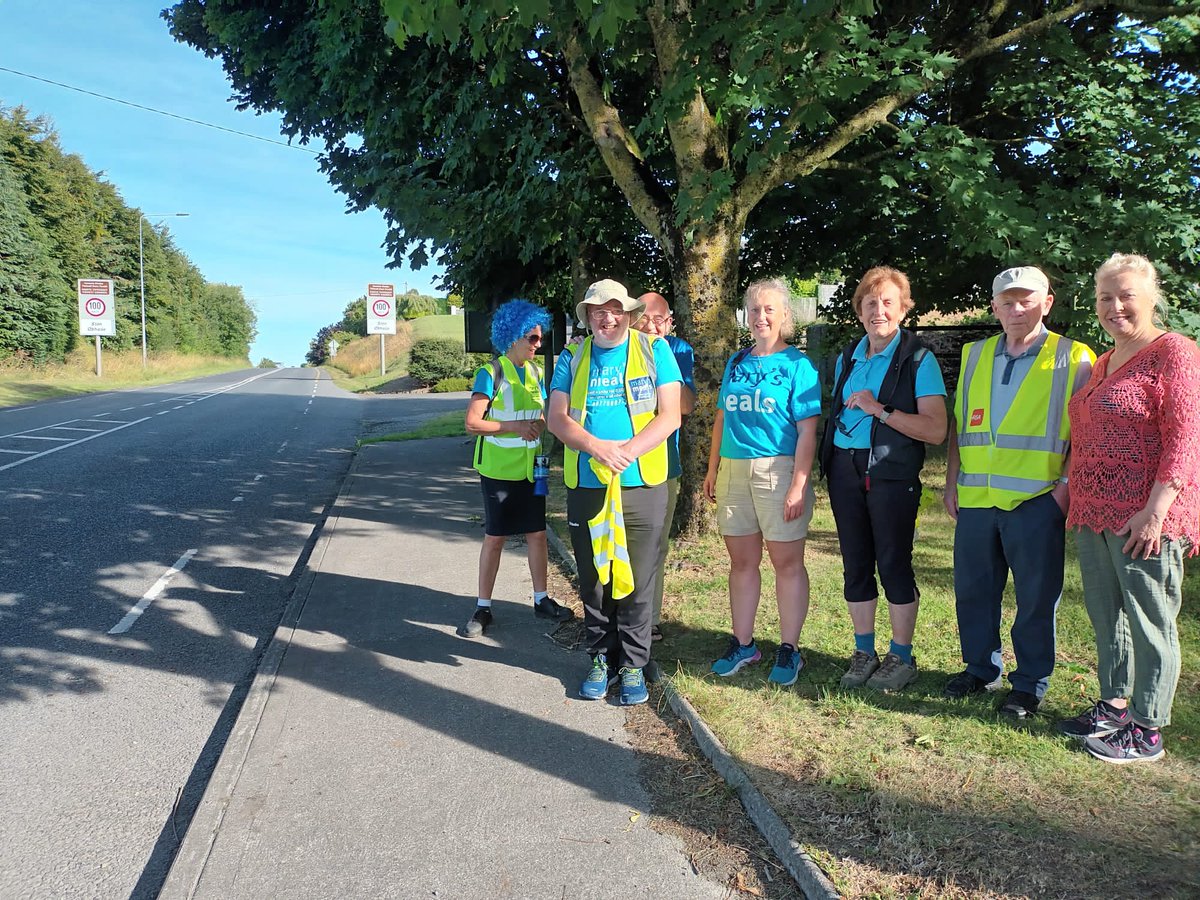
686, 357
607, 413
867, 374
763, 397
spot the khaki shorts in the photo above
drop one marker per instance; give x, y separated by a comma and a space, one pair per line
750, 495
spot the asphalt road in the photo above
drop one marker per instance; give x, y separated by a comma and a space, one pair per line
149, 541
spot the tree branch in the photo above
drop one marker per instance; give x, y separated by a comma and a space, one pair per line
618, 148
800, 162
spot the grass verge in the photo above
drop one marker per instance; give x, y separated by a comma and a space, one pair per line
448, 424
21, 384
914, 795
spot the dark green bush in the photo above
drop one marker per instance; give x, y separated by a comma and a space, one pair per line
433, 359
450, 385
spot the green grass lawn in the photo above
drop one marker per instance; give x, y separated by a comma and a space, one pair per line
450, 424
915, 795
448, 327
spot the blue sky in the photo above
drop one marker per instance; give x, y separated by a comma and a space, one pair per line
260, 215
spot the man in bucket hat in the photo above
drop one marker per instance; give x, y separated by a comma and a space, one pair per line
1006, 488
614, 402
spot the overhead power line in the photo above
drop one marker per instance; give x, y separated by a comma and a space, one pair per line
159, 112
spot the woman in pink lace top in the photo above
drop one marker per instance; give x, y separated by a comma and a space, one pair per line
1135, 505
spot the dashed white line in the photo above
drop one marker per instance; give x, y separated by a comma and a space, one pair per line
238, 499
36, 437
18, 452
149, 597
90, 437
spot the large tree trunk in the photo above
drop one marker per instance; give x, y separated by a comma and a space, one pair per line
705, 277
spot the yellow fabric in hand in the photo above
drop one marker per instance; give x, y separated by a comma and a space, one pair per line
610, 552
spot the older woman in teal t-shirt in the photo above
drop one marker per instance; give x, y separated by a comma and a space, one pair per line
759, 475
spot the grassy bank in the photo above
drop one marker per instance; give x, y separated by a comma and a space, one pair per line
914, 795
21, 384
356, 366
450, 424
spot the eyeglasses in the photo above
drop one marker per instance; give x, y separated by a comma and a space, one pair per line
534, 339
600, 313
659, 320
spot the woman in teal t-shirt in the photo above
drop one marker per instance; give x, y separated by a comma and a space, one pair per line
759, 475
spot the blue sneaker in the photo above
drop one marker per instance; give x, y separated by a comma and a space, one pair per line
595, 685
788, 663
633, 687
736, 657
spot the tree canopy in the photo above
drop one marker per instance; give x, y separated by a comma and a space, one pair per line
701, 144
60, 222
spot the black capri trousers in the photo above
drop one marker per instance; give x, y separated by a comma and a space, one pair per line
875, 528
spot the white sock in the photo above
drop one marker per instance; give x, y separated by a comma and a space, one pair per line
539, 596
486, 604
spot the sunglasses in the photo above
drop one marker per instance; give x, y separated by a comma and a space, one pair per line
534, 339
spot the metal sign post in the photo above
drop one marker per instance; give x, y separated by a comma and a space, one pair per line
99, 365
381, 316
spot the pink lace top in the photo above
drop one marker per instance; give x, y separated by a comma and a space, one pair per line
1139, 425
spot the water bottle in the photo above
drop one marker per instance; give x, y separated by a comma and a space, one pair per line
541, 475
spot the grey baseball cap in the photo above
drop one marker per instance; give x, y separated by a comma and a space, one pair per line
1024, 278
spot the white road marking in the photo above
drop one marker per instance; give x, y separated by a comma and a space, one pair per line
258, 477
162, 413
238, 499
37, 437
103, 421
126, 409
75, 428
149, 597
15, 409
18, 452
90, 437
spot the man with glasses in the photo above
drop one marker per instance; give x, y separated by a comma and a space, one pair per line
659, 320
614, 403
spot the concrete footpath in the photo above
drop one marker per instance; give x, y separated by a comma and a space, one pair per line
380, 755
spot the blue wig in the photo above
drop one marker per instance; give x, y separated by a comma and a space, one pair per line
514, 320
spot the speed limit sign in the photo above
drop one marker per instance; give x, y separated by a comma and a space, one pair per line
381, 309
97, 309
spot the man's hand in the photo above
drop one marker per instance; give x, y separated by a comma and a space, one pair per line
793, 503
1062, 496
950, 499
613, 454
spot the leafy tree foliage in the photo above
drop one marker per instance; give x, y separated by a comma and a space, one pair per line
948, 138
61, 222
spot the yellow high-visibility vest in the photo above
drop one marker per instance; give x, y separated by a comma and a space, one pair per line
507, 456
642, 404
1024, 458
610, 552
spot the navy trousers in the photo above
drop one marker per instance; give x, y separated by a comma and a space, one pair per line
988, 544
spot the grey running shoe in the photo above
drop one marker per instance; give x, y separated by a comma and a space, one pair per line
1097, 720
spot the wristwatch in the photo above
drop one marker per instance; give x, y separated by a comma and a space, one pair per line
887, 411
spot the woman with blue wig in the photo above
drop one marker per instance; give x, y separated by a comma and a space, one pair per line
507, 416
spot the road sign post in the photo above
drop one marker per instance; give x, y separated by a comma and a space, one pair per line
381, 316
97, 311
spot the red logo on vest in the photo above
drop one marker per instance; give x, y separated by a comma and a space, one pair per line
977, 417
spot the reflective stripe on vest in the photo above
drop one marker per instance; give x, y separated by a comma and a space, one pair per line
639, 363
508, 457
1023, 456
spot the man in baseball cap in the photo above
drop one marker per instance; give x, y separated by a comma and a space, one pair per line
1006, 488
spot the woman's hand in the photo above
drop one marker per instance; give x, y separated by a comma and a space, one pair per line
710, 486
1145, 534
528, 429
793, 503
864, 400
612, 454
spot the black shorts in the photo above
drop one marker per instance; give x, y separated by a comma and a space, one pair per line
509, 507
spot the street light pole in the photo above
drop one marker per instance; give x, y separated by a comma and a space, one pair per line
142, 268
